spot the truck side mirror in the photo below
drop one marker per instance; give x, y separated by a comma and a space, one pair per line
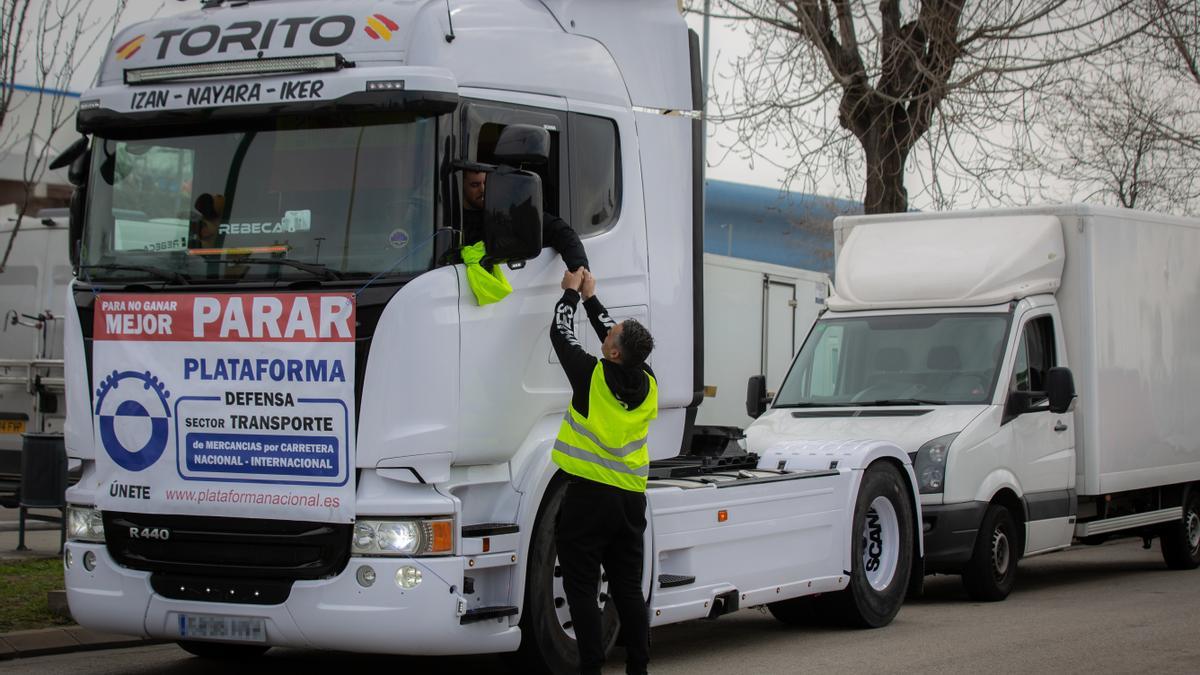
522, 144
1060, 389
75, 223
512, 216
756, 395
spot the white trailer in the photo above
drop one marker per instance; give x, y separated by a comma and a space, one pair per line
297, 425
961, 337
756, 315
33, 290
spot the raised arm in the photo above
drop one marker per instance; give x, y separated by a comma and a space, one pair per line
576, 362
597, 314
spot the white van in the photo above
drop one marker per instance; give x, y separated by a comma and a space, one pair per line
957, 336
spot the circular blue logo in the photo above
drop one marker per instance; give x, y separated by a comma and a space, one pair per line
133, 420
398, 238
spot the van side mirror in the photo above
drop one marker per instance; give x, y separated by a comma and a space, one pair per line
1060, 389
522, 144
756, 395
1059, 396
512, 216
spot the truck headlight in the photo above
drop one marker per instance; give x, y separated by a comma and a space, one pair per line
930, 464
403, 537
85, 523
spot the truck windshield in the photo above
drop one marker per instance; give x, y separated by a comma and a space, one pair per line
296, 199
909, 359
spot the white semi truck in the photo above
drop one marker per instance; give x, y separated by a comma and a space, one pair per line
297, 425
962, 337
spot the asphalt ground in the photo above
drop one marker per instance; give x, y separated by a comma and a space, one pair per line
1112, 608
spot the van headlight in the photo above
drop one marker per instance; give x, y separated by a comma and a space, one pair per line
403, 537
930, 464
85, 523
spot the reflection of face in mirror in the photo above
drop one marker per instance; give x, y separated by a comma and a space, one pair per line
474, 184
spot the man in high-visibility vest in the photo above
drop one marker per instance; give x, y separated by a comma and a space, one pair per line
601, 446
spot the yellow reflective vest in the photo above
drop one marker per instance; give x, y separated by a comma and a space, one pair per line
609, 445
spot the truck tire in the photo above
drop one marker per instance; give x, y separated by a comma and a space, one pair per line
1181, 540
881, 558
221, 651
991, 573
547, 640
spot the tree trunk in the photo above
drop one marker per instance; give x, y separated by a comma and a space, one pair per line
885, 157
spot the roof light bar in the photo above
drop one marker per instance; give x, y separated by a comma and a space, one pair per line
272, 66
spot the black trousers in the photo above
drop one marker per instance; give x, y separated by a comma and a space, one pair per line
603, 525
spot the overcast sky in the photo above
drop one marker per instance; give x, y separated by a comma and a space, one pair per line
726, 43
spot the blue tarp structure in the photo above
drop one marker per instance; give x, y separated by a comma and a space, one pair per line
768, 225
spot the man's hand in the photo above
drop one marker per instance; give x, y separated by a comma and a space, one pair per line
588, 288
573, 280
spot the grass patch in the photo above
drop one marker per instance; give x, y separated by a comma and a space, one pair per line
23, 588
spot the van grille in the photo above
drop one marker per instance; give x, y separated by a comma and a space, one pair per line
227, 547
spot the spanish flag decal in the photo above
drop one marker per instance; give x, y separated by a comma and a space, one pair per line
379, 27
130, 48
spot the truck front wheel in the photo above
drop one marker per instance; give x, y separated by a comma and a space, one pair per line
547, 637
991, 572
881, 558
1181, 540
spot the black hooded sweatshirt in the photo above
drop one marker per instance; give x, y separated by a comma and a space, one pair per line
629, 384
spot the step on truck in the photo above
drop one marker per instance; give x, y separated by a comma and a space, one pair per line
1039, 365
297, 425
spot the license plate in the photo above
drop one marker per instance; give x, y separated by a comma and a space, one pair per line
12, 426
209, 627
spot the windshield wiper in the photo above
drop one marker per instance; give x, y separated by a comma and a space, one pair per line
165, 275
899, 401
316, 269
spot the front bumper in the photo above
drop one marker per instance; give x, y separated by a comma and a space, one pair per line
950, 531
335, 613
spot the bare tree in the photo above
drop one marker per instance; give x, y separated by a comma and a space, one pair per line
1174, 47
1109, 142
13, 14
955, 75
47, 43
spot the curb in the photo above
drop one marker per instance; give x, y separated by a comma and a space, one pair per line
64, 640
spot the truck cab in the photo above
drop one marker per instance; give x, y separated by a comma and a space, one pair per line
298, 424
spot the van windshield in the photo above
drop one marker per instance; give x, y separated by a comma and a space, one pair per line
908, 359
295, 199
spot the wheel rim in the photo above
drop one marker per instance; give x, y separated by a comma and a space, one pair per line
881, 543
1192, 523
562, 611
1001, 554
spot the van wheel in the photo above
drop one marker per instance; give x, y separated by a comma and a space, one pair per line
547, 638
881, 558
1181, 540
991, 572
221, 651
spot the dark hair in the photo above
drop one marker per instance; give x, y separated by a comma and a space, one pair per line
635, 343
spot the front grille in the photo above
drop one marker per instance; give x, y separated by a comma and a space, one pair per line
243, 548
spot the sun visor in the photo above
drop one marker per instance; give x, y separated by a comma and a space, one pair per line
948, 262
